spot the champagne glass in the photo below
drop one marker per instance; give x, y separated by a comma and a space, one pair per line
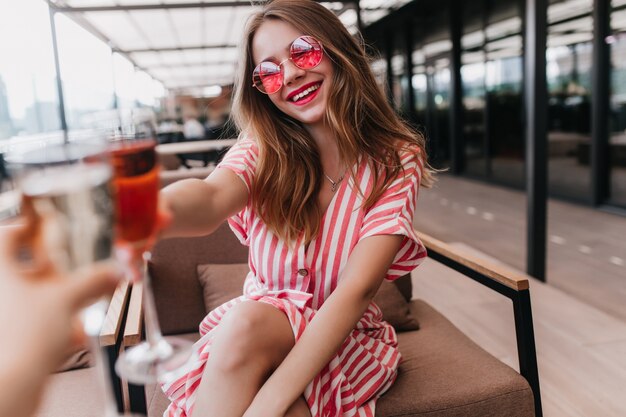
136, 182
67, 189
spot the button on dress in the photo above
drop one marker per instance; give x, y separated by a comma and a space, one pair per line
297, 279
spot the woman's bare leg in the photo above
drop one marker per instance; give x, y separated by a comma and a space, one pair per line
250, 342
299, 409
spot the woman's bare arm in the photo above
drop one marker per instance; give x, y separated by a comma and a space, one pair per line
198, 207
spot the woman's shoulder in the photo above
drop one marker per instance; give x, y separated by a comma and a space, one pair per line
242, 155
246, 140
409, 152
246, 144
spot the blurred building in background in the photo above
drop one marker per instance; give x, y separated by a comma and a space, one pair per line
418, 46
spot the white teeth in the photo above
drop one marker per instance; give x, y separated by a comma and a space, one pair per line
305, 92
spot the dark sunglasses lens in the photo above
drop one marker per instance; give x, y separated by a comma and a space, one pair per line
267, 77
306, 52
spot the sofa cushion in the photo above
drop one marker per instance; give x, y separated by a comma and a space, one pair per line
395, 308
442, 374
72, 394
80, 358
223, 282
177, 292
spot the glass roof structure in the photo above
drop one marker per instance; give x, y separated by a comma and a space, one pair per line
189, 45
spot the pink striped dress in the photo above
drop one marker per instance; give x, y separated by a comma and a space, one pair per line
297, 280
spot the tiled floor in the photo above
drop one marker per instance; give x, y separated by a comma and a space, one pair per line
579, 317
586, 247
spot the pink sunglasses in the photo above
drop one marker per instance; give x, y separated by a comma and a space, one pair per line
305, 52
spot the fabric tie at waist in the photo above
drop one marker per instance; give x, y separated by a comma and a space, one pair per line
299, 298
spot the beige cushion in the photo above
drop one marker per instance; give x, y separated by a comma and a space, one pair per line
72, 394
444, 374
395, 308
79, 358
177, 291
223, 282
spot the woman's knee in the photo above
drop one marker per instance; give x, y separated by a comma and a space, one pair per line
252, 333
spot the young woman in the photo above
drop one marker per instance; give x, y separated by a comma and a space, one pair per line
322, 187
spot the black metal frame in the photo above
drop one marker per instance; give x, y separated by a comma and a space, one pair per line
536, 100
359, 19
457, 141
600, 99
389, 38
137, 399
409, 105
112, 353
524, 329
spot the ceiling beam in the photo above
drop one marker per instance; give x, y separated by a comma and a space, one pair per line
192, 64
173, 48
135, 7
159, 6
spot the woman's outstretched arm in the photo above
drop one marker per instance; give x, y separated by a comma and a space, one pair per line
361, 278
198, 207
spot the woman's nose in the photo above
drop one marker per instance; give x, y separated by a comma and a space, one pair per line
291, 72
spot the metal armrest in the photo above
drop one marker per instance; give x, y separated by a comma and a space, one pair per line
111, 335
496, 273
133, 331
505, 281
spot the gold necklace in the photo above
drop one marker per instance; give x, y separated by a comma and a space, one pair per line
334, 184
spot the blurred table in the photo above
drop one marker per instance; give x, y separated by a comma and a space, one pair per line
196, 146
207, 151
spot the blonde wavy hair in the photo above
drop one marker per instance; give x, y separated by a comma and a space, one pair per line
289, 174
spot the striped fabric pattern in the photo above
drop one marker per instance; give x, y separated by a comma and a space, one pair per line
297, 281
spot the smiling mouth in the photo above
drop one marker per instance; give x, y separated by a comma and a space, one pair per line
305, 93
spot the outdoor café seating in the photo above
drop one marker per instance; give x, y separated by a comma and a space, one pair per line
443, 372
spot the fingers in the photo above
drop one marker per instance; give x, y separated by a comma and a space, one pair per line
78, 338
10, 242
164, 216
131, 259
22, 247
8, 238
86, 286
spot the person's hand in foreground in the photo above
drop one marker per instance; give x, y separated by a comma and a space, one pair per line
38, 317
